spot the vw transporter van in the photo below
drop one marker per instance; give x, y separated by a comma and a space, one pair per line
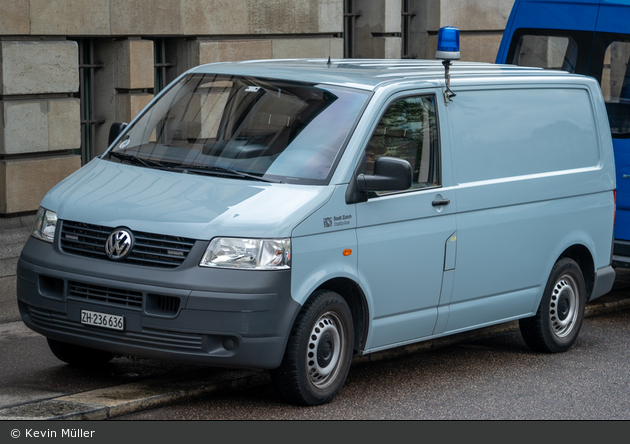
290, 215
590, 37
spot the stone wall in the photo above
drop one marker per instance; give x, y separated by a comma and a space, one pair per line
379, 27
39, 124
40, 118
481, 24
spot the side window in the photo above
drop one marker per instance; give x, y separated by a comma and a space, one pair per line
408, 130
616, 87
551, 52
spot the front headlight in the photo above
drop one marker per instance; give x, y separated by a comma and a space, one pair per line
45, 224
257, 254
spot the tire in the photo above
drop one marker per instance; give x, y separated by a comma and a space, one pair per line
557, 323
319, 352
77, 355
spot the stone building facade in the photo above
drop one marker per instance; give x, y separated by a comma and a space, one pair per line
70, 68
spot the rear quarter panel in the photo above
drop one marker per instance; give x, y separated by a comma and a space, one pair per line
534, 175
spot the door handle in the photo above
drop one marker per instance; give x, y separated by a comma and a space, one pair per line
440, 202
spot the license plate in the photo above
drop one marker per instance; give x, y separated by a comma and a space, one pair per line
114, 322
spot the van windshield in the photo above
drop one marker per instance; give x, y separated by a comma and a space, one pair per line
244, 127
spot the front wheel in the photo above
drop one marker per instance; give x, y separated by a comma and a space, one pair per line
557, 323
77, 355
319, 352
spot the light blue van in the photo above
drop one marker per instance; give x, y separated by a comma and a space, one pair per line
291, 214
590, 37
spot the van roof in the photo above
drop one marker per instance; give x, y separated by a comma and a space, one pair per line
367, 74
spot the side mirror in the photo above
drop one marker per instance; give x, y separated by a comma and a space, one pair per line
390, 174
114, 131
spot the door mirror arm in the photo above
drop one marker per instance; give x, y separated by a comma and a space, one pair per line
390, 174
114, 131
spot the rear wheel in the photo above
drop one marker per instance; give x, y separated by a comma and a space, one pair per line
557, 323
77, 355
319, 352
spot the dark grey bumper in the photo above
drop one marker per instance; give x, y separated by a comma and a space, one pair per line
218, 317
604, 280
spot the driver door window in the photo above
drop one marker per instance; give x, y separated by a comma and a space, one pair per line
408, 130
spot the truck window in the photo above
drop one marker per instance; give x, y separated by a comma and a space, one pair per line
408, 130
615, 85
547, 51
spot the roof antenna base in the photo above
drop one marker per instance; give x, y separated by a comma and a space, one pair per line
448, 92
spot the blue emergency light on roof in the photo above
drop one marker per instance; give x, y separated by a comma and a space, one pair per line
448, 44
448, 49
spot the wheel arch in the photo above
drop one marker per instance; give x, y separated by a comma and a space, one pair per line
582, 255
355, 298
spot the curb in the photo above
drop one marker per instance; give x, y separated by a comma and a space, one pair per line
129, 398
134, 397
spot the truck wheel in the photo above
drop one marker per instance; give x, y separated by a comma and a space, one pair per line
557, 323
319, 352
78, 355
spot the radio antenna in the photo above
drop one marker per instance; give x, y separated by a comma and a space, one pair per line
329, 45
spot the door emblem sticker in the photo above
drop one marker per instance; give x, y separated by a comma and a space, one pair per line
337, 221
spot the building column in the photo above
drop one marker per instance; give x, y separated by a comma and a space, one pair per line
377, 29
124, 84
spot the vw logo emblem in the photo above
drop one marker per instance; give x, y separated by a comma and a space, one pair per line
118, 244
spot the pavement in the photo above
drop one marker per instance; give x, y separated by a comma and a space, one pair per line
180, 385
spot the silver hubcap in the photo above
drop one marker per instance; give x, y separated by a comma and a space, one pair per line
563, 307
326, 346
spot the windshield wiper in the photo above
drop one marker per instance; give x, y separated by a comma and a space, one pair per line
219, 171
193, 169
135, 160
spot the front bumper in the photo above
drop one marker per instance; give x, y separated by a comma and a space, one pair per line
218, 317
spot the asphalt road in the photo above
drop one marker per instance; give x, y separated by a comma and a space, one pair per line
495, 378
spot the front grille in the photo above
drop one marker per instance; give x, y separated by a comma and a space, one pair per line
149, 249
153, 338
105, 295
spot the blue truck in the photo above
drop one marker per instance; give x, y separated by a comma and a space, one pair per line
590, 37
